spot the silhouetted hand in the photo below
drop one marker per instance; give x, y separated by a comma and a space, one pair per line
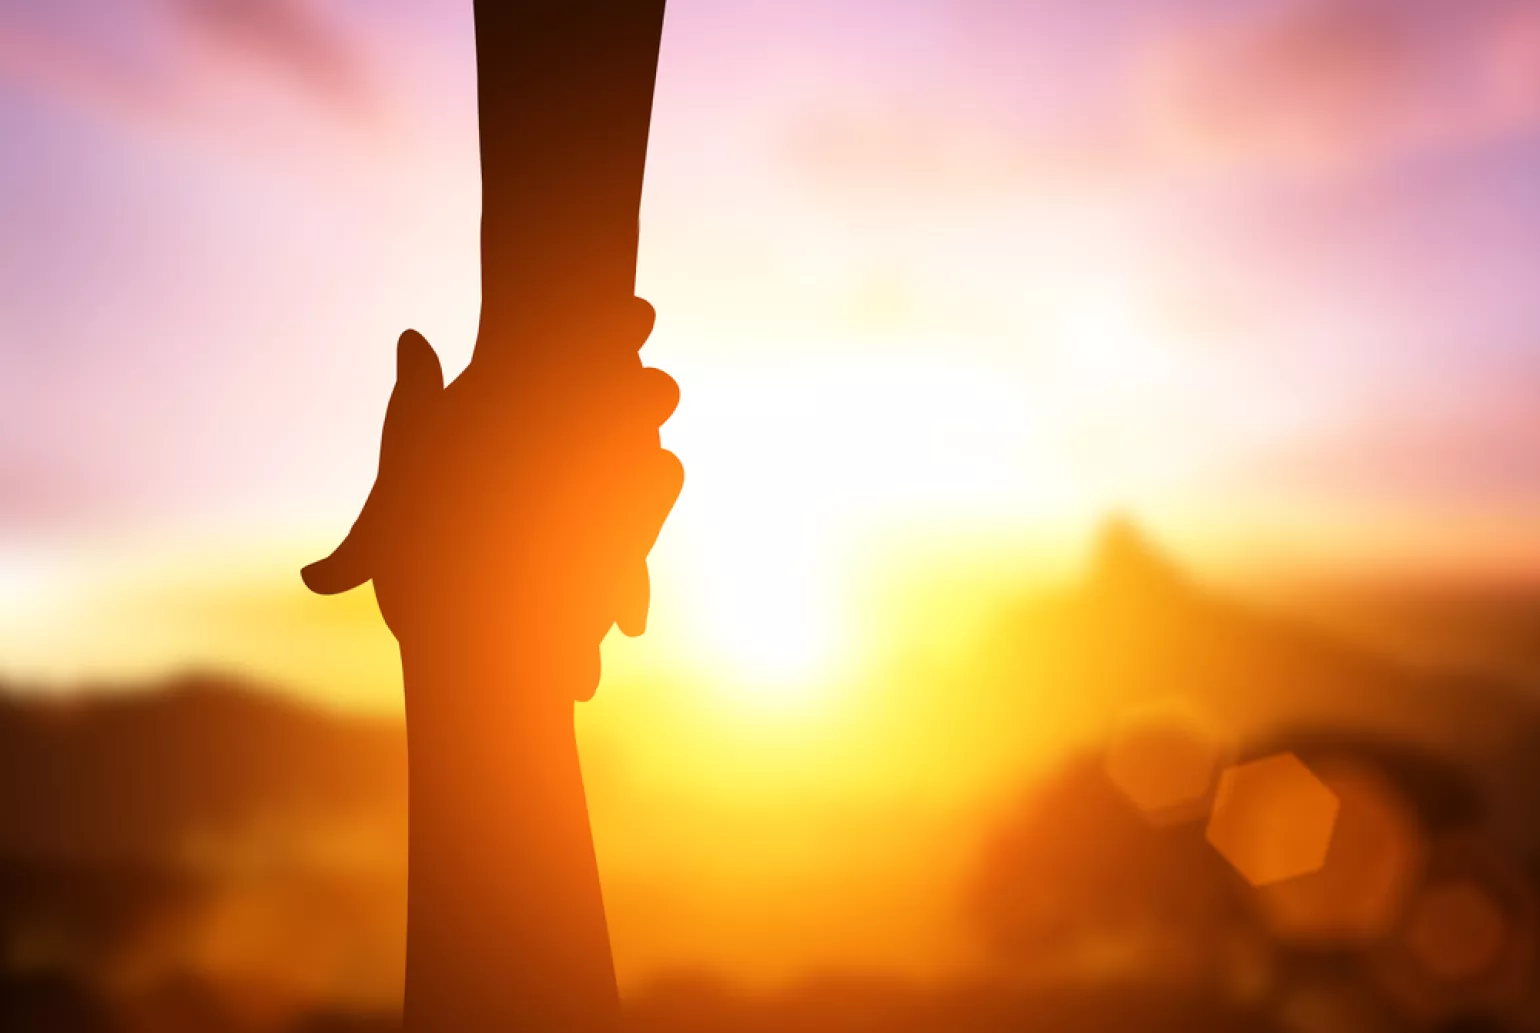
513, 510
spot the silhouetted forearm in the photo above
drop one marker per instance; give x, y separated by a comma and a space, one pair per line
506, 927
565, 99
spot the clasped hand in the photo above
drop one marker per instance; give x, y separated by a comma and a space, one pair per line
513, 511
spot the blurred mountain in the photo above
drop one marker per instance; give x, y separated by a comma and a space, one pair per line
1139, 630
1125, 562
1480, 626
182, 857
158, 775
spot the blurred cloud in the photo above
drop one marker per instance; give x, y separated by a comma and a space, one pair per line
294, 39
173, 61
952, 153
37, 495
1473, 449
43, 59
1325, 85
1281, 88
1007, 187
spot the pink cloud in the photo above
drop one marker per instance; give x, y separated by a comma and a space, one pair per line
293, 39
1322, 85
947, 150
170, 62
41, 61
1299, 87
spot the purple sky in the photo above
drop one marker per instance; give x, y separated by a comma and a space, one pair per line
219, 213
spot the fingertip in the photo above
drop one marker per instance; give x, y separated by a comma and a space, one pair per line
644, 318
661, 394
634, 602
333, 575
416, 361
671, 472
314, 577
586, 677
657, 491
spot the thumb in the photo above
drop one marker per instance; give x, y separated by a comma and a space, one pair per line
417, 367
419, 378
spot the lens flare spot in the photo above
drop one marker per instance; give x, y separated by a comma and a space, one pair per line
1273, 819
1457, 930
1163, 757
1377, 851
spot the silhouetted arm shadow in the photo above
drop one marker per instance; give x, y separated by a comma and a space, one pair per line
510, 521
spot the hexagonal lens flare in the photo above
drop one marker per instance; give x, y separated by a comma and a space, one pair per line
1163, 757
1377, 851
1273, 819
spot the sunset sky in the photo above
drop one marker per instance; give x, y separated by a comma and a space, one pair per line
942, 283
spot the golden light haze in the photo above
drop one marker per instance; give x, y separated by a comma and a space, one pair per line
943, 284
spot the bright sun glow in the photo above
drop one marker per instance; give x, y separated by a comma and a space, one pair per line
782, 642
762, 603
803, 474
791, 474
1109, 344
795, 469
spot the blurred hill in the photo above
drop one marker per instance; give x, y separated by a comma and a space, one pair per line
1491, 629
200, 856
205, 855
157, 774
1138, 630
